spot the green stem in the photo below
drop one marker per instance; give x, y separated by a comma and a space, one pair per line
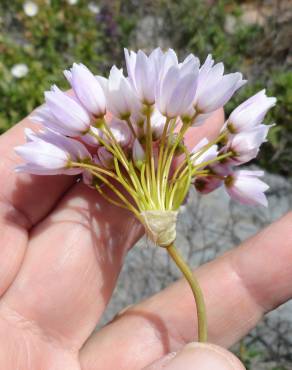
197, 292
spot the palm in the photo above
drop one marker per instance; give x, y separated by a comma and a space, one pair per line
61, 252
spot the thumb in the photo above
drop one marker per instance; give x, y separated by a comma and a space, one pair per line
198, 356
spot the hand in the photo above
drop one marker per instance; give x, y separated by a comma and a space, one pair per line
62, 247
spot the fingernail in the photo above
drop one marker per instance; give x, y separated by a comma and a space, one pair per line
197, 356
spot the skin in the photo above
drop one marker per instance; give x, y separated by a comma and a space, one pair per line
62, 248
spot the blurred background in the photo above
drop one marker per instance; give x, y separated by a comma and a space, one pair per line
40, 38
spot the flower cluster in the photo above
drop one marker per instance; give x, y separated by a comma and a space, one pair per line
123, 134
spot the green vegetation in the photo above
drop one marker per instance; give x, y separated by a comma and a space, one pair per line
260, 50
49, 42
95, 32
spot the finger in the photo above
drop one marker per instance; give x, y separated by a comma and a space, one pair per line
71, 266
198, 356
238, 287
24, 200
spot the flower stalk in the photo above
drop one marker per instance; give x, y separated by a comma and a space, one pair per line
196, 289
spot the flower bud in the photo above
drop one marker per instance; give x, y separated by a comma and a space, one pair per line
106, 158
180, 147
138, 154
207, 184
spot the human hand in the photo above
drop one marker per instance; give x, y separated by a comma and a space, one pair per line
62, 247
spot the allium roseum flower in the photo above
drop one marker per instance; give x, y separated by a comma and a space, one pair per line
245, 187
126, 134
251, 113
87, 89
143, 73
214, 88
48, 153
67, 115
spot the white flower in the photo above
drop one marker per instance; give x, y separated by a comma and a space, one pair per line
246, 188
94, 8
72, 2
30, 8
19, 70
215, 89
250, 113
87, 89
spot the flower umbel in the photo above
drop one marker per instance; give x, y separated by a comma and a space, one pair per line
125, 134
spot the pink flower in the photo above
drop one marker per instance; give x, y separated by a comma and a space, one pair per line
250, 113
66, 115
87, 89
245, 145
48, 153
215, 89
143, 73
176, 89
121, 99
246, 188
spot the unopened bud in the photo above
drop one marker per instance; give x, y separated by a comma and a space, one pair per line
138, 154
180, 146
106, 158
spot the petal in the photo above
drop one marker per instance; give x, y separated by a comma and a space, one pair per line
88, 90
